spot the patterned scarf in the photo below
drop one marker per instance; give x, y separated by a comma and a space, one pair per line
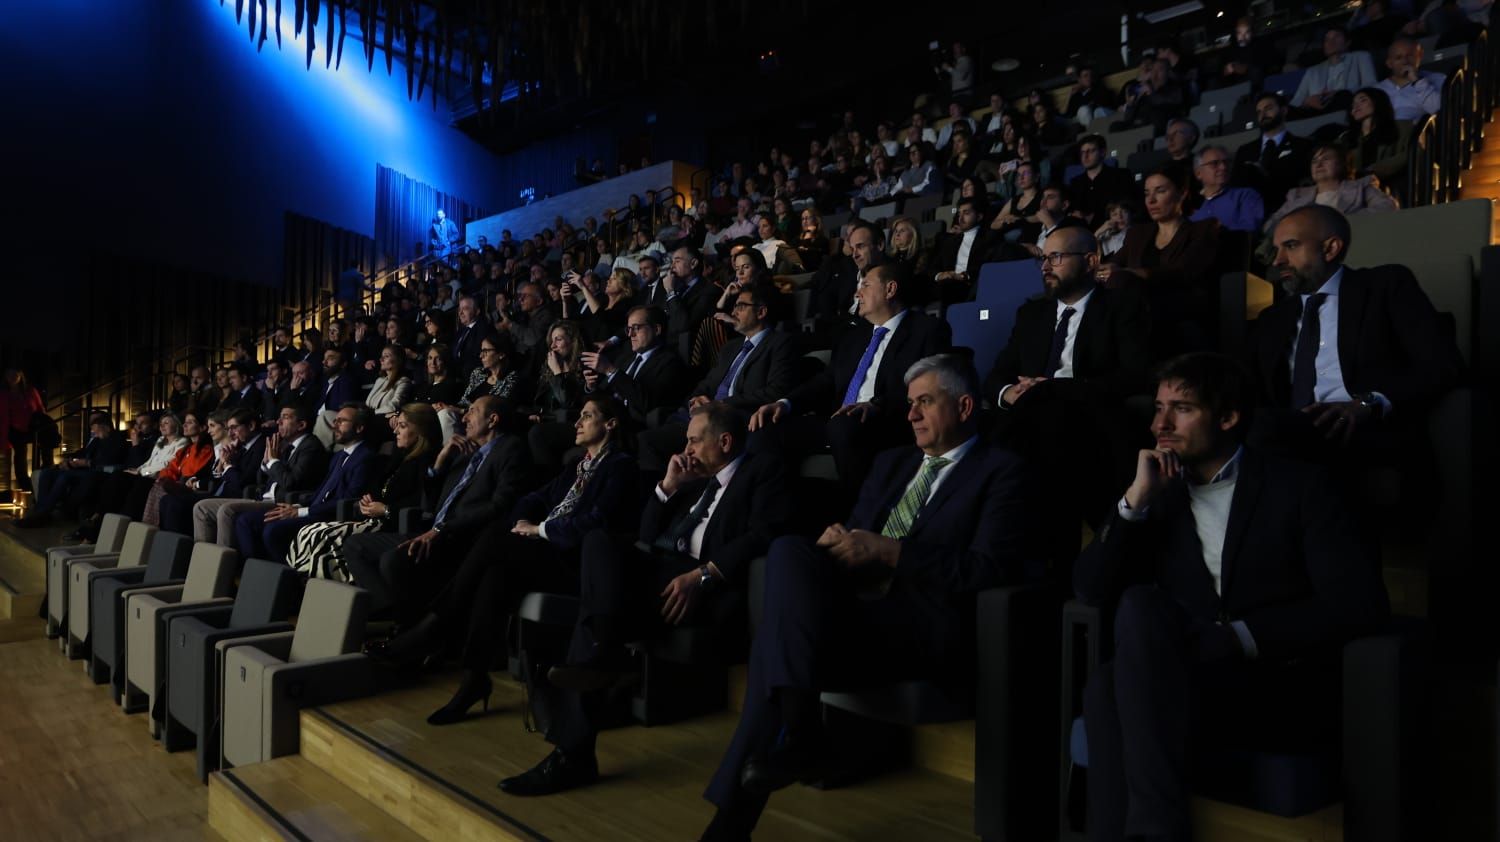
586, 468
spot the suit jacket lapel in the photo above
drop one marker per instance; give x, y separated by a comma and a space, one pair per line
958, 478
1353, 299
1247, 489
1183, 542
1088, 326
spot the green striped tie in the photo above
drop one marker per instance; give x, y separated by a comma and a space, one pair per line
901, 518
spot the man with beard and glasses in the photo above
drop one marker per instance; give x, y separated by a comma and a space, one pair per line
1351, 356
1276, 161
1074, 357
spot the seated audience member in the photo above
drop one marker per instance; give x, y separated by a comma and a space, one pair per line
77, 476
302, 388
1169, 258
921, 176
779, 256
268, 533
401, 483
282, 347
1098, 185
757, 367
139, 440
919, 133
192, 463
117, 491
558, 396
906, 248
203, 398
177, 402
221, 387
273, 389
237, 463
440, 390
527, 328
1276, 161
651, 292
1353, 355
311, 349
1016, 221
481, 474
1235, 579
653, 376
496, 375
878, 187
534, 548
690, 298
1111, 235
1333, 187
1052, 214
961, 253
1330, 85
717, 509
861, 384
604, 324
1377, 140
958, 123
1248, 59
744, 222
243, 393
811, 243
293, 462
961, 162
1089, 99
338, 388
1182, 138
1235, 208
393, 388
884, 595
466, 337
1414, 92
363, 359
1045, 127
1160, 97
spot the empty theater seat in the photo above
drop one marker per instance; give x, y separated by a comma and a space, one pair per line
111, 536
165, 564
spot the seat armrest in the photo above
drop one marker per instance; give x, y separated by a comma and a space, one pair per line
158, 594
209, 615
1017, 674
323, 681
276, 644
154, 588
127, 575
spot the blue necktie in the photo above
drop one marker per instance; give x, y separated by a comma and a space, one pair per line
1305, 358
734, 370
330, 482
474, 462
863, 370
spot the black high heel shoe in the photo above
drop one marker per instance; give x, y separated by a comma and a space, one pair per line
473, 689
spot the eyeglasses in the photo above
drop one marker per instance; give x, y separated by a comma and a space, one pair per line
739, 305
1055, 258
636, 328
1215, 162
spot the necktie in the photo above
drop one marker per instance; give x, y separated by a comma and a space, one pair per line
1305, 358
898, 524
331, 482
851, 395
734, 370
474, 462
1268, 153
1059, 341
679, 537
635, 366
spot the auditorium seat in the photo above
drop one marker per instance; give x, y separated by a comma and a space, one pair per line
165, 564
1123, 144
1284, 83
922, 208
211, 573
132, 553
877, 213
1320, 127
111, 536
1373, 766
267, 596
984, 324
268, 678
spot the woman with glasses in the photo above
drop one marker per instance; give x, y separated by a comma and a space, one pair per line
920, 178
441, 389
811, 243
496, 374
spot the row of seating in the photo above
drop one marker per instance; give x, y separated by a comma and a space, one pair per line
218, 654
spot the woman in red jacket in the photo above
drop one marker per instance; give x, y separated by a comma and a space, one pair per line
18, 402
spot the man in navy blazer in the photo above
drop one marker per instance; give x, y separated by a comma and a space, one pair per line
1237, 578
269, 534
934, 525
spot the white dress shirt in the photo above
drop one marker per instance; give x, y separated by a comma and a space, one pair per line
1065, 370
1329, 386
724, 476
965, 246
867, 389
953, 456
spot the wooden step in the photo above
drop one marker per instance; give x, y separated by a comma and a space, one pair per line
18, 630
290, 798
651, 787
23, 579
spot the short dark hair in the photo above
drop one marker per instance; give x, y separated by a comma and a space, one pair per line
655, 316
244, 416
303, 411
1095, 140
1281, 101
723, 418
364, 416
899, 273
692, 251
1218, 381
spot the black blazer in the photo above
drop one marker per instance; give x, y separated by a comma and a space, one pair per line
833, 288
405, 485
608, 502
1295, 568
753, 510
687, 309
340, 392
986, 244
1391, 340
465, 350
919, 335
766, 376
1288, 169
250, 399
662, 381
244, 469
110, 450
1093, 195
1110, 349
491, 493
302, 470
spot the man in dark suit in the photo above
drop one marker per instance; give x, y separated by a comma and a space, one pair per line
716, 509
753, 369
234, 469
78, 473
1098, 185
1357, 355
1276, 161
293, 462
467, 335
484, 472
690, 299
1237, 578
338, 388
273, 390
654, 377
303, 388
243, 393
960, 255
268, 533
862, 385
1075, 355
887, 594
653, 293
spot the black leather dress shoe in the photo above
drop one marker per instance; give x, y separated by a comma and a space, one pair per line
782, 766
556, 773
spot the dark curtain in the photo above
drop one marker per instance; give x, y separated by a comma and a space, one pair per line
404, 210
316, 253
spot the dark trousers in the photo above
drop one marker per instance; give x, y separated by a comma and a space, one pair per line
1155, 706
499, 569
118, 491
255, 538
399, 587
57, 486
20, 458
817, 634
176, 512
619, 591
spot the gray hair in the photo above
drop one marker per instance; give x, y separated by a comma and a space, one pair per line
1214, 147
1183, 121
955, 374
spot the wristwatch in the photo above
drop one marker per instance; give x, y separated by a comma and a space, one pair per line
707, 581
1368, 401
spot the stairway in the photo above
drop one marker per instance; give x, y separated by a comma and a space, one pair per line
1482, 179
